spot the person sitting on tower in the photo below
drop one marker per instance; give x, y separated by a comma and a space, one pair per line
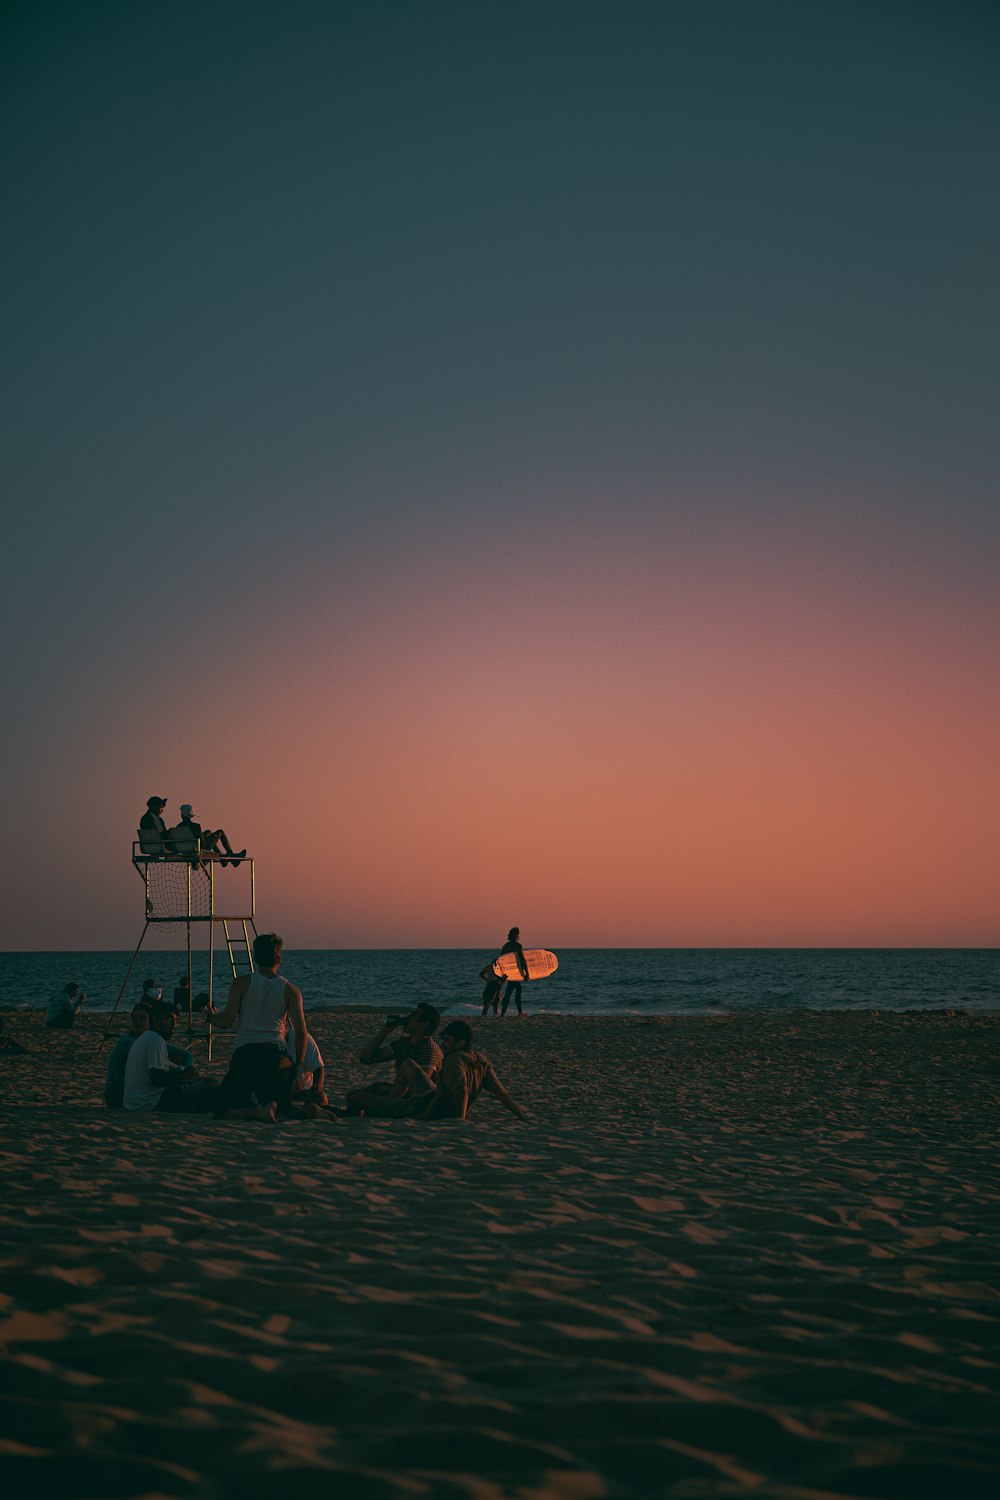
153, 841
191, 841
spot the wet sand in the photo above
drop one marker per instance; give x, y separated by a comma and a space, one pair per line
750, 1256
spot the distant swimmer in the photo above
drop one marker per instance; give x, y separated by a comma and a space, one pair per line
513, 991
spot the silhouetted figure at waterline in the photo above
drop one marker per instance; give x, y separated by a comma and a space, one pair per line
491, 989
513, 990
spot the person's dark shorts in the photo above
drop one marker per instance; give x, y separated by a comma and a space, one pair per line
187, 1099
258, 1073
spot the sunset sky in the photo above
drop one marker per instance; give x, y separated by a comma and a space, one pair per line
506, 462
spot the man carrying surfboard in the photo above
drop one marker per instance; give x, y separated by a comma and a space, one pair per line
513, 990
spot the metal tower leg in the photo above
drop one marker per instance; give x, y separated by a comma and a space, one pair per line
124, 987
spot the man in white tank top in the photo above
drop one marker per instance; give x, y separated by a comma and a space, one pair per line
262, 1006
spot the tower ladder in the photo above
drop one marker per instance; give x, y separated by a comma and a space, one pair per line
240, 955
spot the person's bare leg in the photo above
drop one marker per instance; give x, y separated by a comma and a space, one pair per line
411, 1079
267, 1112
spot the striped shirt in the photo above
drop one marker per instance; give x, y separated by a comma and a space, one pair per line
426, 1053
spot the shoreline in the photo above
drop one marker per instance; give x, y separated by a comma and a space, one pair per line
734, 1255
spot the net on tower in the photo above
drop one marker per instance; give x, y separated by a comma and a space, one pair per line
177, 892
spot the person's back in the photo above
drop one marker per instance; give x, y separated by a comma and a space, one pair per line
114, 1083
184, 837
152, 830
262, 1006
263, 1012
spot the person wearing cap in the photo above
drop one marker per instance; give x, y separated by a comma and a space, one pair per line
153, 841
190, 840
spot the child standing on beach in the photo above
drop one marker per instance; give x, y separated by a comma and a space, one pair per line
491, 992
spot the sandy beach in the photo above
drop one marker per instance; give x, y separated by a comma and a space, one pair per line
745, 1256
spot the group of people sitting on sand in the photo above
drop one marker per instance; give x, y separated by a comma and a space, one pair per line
276, 1068
186, 839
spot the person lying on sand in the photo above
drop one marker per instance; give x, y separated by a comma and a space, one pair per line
415, 1045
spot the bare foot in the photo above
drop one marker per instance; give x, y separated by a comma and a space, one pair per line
266, 1112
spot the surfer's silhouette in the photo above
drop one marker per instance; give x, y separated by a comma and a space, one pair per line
513, 990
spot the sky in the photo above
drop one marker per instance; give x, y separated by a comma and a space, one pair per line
511, 463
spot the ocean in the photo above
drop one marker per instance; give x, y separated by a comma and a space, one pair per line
589, 981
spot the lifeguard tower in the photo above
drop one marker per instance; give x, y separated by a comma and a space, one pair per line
200, 889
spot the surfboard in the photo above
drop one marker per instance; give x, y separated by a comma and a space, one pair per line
539, 961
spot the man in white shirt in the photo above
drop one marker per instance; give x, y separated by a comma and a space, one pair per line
152, 1081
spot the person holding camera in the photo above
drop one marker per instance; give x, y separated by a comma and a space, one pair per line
415, 1046
62, 1009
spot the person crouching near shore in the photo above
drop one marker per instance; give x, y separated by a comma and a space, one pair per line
262, 1006
62, 1009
